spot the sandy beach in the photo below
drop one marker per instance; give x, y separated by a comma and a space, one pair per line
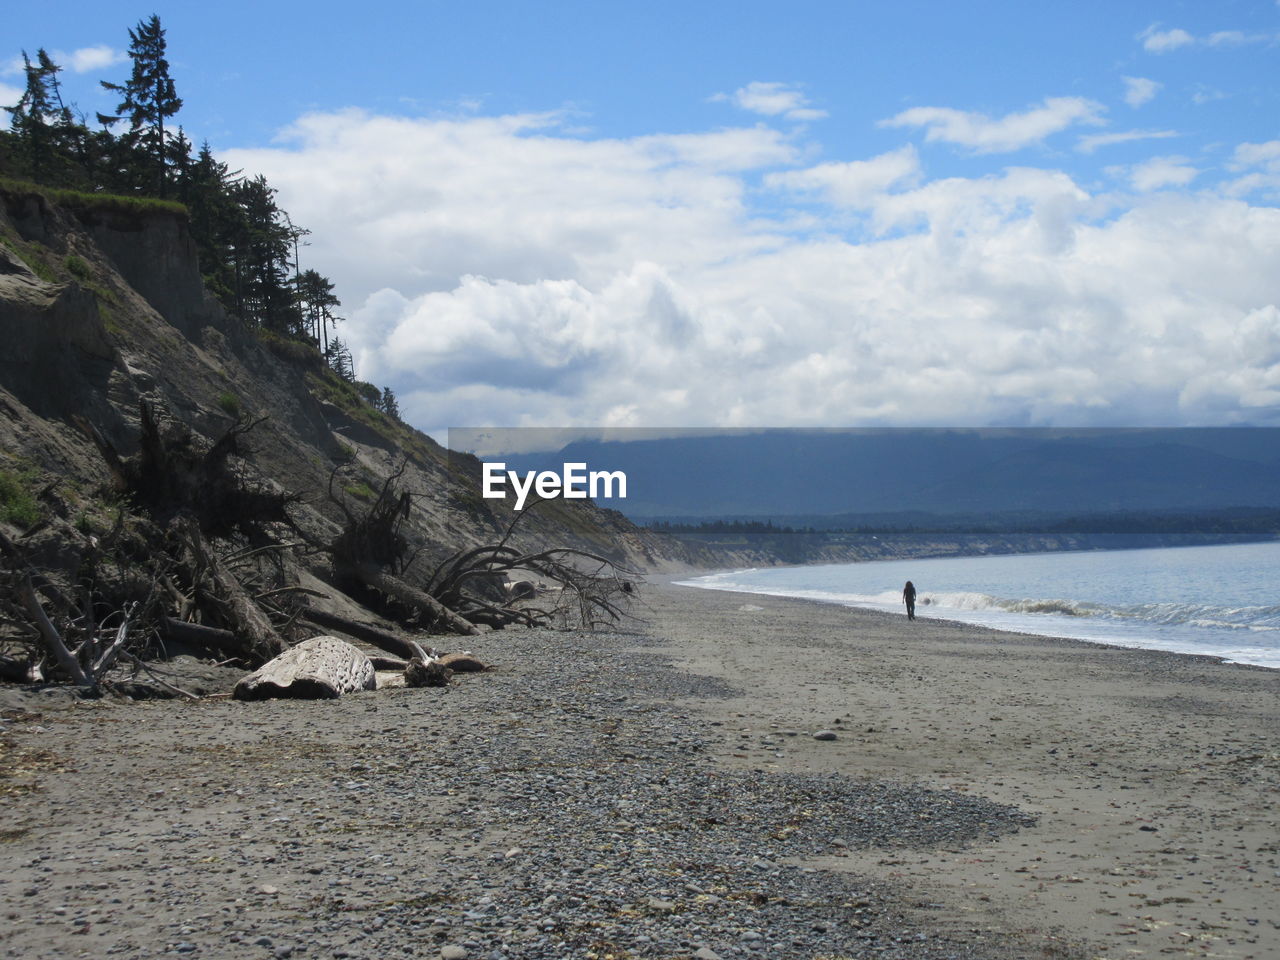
660, 792
1152, 776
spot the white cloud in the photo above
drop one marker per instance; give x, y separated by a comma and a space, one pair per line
496, 270
87, 59
1092, 142
84, 60
1161, 172
1139, 90
773, 100
1259, 167
9, 96
1013, 131
856, 183
1155, 40
1257, 154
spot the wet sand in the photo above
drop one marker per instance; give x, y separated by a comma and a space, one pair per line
1154, 777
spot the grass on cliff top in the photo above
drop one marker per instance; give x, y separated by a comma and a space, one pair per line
92, 202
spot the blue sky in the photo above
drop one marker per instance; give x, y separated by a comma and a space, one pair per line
751, 214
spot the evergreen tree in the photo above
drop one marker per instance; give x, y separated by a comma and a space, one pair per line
261, 250
36, 117
207, 187
339, 359
148, 99
315, 296
390, 406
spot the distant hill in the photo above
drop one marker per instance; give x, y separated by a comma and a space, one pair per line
790, 473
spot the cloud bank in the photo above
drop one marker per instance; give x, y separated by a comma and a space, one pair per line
500, 270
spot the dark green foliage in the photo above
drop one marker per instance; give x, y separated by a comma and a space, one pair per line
316, 300
40, 122
247, 245
369, 393
340, 361
389, 405
148, 99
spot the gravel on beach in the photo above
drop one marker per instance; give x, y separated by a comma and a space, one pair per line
566, 804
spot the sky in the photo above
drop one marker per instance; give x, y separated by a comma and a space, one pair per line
752, 215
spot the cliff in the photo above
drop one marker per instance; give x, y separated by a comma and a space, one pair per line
105, 316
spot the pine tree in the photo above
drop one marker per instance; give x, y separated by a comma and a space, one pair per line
315, 296
261, 248
339, 358
148, 99
390, 406
207, 187
34, 117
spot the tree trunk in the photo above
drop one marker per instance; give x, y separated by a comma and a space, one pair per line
258, 638
441, 615
402, 648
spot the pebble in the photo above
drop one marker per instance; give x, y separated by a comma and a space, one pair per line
825, 735
572, 791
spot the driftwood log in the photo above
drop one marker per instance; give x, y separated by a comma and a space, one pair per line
257, 638
399, 646
391, 586
462, 663
322, 668
429, 673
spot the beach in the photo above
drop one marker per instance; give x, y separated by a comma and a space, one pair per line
660, 792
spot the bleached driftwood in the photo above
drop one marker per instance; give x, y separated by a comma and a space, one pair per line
321, 668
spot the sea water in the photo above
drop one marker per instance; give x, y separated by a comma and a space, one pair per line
1223, 601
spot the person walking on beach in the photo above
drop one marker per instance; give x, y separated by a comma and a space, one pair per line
909, 598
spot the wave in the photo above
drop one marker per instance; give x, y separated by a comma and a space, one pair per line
1261, 618
1252, 618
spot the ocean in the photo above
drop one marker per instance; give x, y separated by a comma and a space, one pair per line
1223, 601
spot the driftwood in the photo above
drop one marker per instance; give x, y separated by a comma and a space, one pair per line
428, 673
52, 640
198, 635
435, 611
461, 663
257, 638
322, 668
402, 648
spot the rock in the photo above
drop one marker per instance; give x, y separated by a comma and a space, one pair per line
825, 735
451, 951
705, 953
661, 906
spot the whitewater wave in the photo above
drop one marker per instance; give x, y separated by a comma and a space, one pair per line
1252, 618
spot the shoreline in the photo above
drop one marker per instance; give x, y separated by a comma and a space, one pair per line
660, 792
1060, 629
1098, 742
